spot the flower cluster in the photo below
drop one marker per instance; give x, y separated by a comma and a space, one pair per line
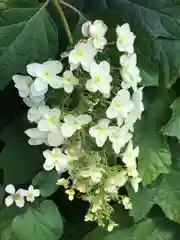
95, 111
18, 197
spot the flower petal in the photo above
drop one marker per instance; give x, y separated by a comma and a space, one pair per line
9, 201
10, 189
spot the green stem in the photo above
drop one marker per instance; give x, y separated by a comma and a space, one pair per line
71, 7
64, 21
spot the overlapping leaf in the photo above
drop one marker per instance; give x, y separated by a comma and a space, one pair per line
27, 34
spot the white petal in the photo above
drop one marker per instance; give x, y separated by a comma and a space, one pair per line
53, 66
117, 147
20, 202
48, 167
36, 192
85, 28
10, 189
36, 93
30, 198
111, 113
90, 86
84, 119
32, 69
67, 130
68, 88
9, 201
55, 139
40, 86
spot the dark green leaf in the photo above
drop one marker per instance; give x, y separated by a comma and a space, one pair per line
22, 26
42, 223
19, 160
46, 182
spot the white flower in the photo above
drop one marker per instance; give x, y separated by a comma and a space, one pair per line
31, 193
125, 38
68, 81
97, 31
46, 74
15, 196
55, 159
130, 155
37, 137
73, 123
83, 53
94, 173
100, 78
129, 72
50, 120
100, 132
127, 203
135, 183
120, 106
119, 136
23, 84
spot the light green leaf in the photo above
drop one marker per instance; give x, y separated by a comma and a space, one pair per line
22, 26
46, 182
42, 223
172, 128
19, 160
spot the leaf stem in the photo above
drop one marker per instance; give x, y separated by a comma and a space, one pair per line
64, 21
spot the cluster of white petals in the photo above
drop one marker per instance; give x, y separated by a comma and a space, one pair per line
18, 197
105, 114
95, 32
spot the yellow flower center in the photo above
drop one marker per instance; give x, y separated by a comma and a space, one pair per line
98, 79
79, 53
16, 197
52, 119
30, 194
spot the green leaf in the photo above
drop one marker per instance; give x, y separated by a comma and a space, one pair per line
159, 21
42, 223
172, 128
19, 160
22, 26
154, 157
46, 182
150, 229
148, 71
157, 18
141, 203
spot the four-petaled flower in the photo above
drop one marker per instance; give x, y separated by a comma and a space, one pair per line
120, 106
100, 78
31, 193
100, 132
83, 53
125, 38
45, 74
68, 81
73, 123
15, 196
55, 159
119, 136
